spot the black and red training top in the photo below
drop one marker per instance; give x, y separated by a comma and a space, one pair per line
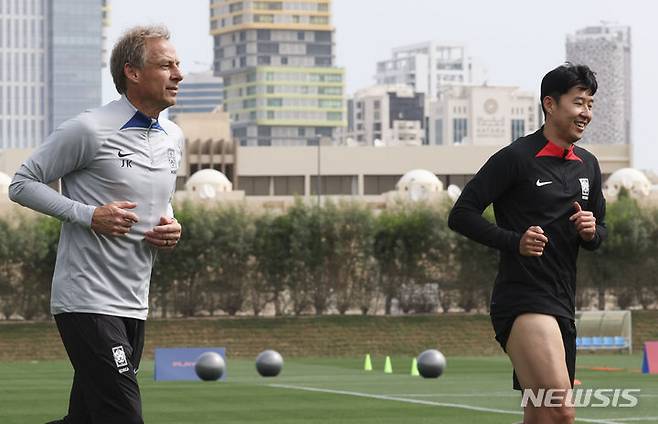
533, 182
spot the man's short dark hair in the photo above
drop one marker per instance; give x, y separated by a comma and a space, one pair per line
131, 49
564, 78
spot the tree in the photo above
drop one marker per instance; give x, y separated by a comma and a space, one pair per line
352, 261
476, 270
186, 270
273, 261
8, 303
230, 254
408, 239
35, 248
438, 274
321, 258
304, 256
618, 263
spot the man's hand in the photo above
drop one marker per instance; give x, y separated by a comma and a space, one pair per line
165, 235
532, 242
585, 222
113, 219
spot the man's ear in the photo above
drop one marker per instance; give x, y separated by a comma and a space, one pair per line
131, 73
549, 104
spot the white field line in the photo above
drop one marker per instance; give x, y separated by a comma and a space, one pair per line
442, 404
474, 395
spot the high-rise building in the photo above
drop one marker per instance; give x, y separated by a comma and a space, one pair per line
50, 66
106, 10
388, 115
606, 49
198, 93
23, 63
430, 66
277, 62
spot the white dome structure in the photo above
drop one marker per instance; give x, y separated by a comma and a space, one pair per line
5, 180
637, 184
207, 183
419, 184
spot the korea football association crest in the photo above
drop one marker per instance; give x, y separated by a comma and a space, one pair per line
119, 356
584, 188
171, 157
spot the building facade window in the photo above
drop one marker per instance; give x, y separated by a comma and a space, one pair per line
330, 104
274, 102
379, 184
289, 186
335, 185
459, 130
264, 18
268, 5
438, 132
322, 36
314, 49
322, 61
268, 47
235, 7
255, 186
319, 20
518, 128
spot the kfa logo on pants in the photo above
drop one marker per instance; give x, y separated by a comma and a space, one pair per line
120, 358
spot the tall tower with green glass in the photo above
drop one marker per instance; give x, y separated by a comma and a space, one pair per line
276, 58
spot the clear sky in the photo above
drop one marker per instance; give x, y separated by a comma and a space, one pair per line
517, 41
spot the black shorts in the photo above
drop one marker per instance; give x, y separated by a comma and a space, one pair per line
105, 352
503, 326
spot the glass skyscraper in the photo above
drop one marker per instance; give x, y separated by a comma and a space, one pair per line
50, 66
198, 93
277, 62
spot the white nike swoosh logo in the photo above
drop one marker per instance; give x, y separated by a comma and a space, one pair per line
543, 183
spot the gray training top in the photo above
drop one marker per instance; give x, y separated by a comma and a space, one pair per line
112, 153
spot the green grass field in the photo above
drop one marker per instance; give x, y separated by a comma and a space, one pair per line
323, 390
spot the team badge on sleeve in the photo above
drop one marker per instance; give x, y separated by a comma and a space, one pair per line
171, 156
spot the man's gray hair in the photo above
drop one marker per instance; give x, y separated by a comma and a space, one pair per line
131, 49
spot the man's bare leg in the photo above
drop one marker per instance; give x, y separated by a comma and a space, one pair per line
536, 349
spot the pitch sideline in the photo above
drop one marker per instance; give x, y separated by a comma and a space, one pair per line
447, 405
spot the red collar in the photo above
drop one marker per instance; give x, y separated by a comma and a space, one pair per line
552, 149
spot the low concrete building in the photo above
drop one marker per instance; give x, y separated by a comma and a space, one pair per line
278, 175
274, 177
482, 115
209, 144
